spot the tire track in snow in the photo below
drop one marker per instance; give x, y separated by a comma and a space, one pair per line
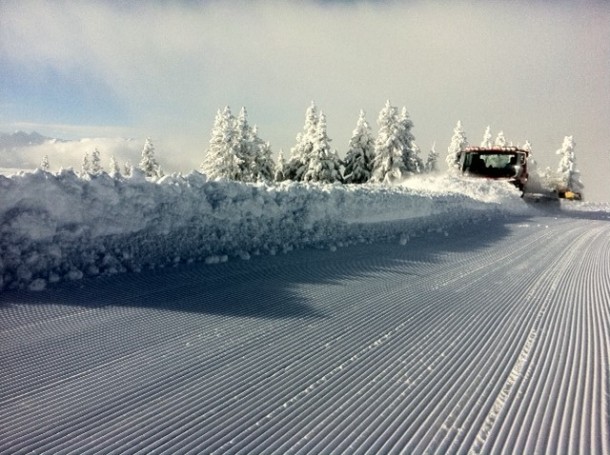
522, 367
541, 397
502, 301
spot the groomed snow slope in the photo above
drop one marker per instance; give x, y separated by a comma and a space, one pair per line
451, 323
486, 338
62, 227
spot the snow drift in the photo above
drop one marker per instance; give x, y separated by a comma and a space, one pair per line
63, 226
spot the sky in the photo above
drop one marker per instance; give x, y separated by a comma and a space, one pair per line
536, 70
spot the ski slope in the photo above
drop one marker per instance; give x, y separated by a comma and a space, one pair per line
482, 337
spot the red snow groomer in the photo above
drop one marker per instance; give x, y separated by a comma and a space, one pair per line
500, 163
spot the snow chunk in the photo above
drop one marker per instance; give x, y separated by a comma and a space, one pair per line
38, 284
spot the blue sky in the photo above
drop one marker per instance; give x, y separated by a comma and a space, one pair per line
536, 70
46, 95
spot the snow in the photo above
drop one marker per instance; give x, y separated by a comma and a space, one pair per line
463, 321
65, 226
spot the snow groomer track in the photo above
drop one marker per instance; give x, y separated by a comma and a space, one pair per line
488, 338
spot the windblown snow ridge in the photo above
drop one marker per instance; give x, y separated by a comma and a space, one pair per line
61, 226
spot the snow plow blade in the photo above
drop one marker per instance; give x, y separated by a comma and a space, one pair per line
569, 195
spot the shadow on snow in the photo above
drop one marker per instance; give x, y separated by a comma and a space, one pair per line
263, 287
267, 287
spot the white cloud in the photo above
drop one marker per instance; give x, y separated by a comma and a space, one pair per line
69, 154
518, 66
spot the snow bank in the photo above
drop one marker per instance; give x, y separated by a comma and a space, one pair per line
62, 227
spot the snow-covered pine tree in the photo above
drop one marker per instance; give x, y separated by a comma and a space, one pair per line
253, 153
458, 143
500, 140
96, 162
536, 180
323, 165
421, 165
432, 161
113, 168
487, 141
295, 163
44, 164
410, 150
339, 162
279, 167
547, 178
148, 164
388, 163
568, 173
245, 147
300, 155
359, 157
263, 166
86, 164
222, 160
127, 169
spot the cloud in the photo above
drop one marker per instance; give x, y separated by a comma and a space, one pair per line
69, 131
69, 154
166, 67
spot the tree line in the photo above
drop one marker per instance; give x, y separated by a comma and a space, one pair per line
237, 152
92, 164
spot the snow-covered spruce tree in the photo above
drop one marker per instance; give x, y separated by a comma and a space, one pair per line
339, 162
549, 179
388, 163
148, 164
262, 168
487, 141
458, 143
359, 158
221, 160
294, 166
96, 163
323, 165
536, 180
113, 168
44, 164
432, 161
500, 140
279, 175
86, 164
244, 147
410, 150
300, 154
253, 154
421, 165
568, 173
127, 169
